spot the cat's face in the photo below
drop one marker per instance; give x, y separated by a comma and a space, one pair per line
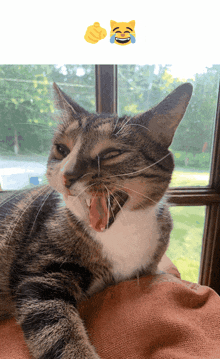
103, 163
122, 33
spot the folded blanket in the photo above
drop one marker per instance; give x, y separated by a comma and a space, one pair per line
155, 317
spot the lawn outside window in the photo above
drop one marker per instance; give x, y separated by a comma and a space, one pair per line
195, 188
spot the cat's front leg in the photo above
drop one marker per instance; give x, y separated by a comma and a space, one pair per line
51, 324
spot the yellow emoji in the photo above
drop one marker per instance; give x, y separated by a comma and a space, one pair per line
94, 33
122, 33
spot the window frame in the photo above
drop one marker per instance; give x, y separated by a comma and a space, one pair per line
106, 101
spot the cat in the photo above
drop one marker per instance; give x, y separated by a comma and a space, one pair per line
102, 219
122, 33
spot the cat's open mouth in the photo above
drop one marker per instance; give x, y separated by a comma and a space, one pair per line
103, 210
122, 41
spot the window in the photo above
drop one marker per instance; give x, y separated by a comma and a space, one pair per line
26, 122
131, 89
186, 240
201, 193
142, 87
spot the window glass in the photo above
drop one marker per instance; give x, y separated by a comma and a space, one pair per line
26, 116
186, 240
142, 87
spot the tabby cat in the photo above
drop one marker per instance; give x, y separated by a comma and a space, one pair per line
102, 219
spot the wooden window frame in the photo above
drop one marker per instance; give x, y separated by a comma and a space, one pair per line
106, 101
106, 88
209, 196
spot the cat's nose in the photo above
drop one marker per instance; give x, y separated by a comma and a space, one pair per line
72, 173
122, 35
70, 176
69, 179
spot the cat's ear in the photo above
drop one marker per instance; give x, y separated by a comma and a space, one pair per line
64, 102
132, 24
113, 24
163, 119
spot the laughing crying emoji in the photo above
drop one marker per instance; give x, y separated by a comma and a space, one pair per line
122, 33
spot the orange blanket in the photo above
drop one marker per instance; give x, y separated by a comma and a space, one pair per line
158, 317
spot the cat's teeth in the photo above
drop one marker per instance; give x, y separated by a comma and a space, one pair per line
88, 202
118, 38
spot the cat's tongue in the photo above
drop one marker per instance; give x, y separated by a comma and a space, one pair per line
98, 214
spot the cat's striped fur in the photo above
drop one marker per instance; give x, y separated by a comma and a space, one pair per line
103, 218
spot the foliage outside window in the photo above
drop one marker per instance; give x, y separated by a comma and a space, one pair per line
142, 87
26, 103
26, 120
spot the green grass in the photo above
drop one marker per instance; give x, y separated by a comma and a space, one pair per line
186, 237
182, 178
186, 240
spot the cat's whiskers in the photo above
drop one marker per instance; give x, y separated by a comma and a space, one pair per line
32, 199
131, 124
116, 125
130, 189
123, 125
164, 215
143, 169
109, 206
46, 197
75, 197
137, 124
121, 190
112, 212
117, 203
19, 193
98, 166
140, 204
13, 196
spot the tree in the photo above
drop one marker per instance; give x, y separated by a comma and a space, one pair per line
141, 87
197, 127
26, 102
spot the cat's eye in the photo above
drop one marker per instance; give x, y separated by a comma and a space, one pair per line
62, 150
110, 154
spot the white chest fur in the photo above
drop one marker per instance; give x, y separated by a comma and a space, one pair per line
130, 242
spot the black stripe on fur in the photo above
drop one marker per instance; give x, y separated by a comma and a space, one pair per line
44, 291
56, 351
83, 275
36, 321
